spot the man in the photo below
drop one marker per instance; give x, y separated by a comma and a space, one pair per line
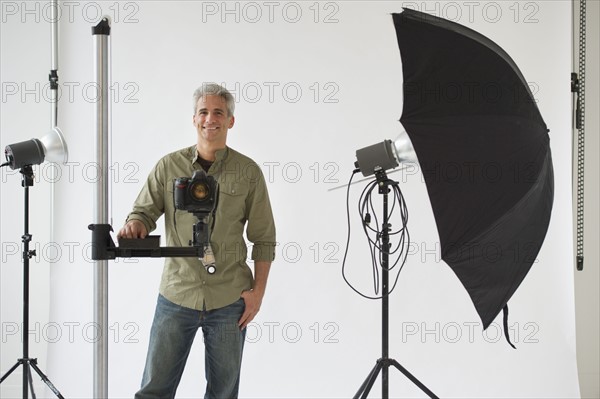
223, 303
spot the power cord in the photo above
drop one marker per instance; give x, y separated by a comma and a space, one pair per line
374, 231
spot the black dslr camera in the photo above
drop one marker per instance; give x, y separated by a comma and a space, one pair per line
197, 195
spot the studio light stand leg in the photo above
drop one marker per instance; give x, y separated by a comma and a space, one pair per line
26, 361
383, 364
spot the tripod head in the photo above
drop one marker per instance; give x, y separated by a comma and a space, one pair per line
201, 240
27, 176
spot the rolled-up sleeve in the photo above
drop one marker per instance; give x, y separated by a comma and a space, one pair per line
260, 229
150, 202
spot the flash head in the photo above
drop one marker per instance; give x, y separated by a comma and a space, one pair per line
385, 155
51, 147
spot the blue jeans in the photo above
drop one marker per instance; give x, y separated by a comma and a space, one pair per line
171, 337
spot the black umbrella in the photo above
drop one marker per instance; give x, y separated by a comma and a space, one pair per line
484, 152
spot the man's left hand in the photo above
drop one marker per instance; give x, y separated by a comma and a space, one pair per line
253, 300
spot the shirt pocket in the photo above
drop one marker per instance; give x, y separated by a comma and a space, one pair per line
232, 202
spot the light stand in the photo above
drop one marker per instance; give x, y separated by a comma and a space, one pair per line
383, 364
26, 361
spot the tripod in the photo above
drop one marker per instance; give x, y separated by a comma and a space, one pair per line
383, 364
27, 362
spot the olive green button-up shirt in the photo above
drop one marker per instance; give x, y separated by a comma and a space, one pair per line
243, 202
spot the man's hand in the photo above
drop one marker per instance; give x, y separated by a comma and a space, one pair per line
133, 229
253, 300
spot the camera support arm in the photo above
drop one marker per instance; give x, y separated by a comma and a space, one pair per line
103, 247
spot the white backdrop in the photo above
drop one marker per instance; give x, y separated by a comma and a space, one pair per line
314, 81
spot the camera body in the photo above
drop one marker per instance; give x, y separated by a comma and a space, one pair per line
197, 194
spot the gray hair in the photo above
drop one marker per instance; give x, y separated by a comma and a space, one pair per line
213, 89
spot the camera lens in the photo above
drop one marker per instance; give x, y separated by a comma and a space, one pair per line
199, 191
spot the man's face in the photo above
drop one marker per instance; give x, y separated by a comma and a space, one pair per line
212, 120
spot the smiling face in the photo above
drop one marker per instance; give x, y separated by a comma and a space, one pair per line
212, 121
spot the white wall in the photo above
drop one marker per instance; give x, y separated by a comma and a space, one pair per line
314, 337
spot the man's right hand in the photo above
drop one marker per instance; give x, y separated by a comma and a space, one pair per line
133, 229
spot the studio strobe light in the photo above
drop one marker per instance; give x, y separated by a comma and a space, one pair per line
52, 147
385, 155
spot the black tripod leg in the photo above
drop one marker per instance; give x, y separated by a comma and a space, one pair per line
30, 379
46, 381
366, 386
413, 379
9, 372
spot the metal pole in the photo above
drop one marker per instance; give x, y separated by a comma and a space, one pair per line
101, 33
385, 295
580, 125
54, 62
53, 78
26, 238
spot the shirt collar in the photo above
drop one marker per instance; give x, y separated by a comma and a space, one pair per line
219, 155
